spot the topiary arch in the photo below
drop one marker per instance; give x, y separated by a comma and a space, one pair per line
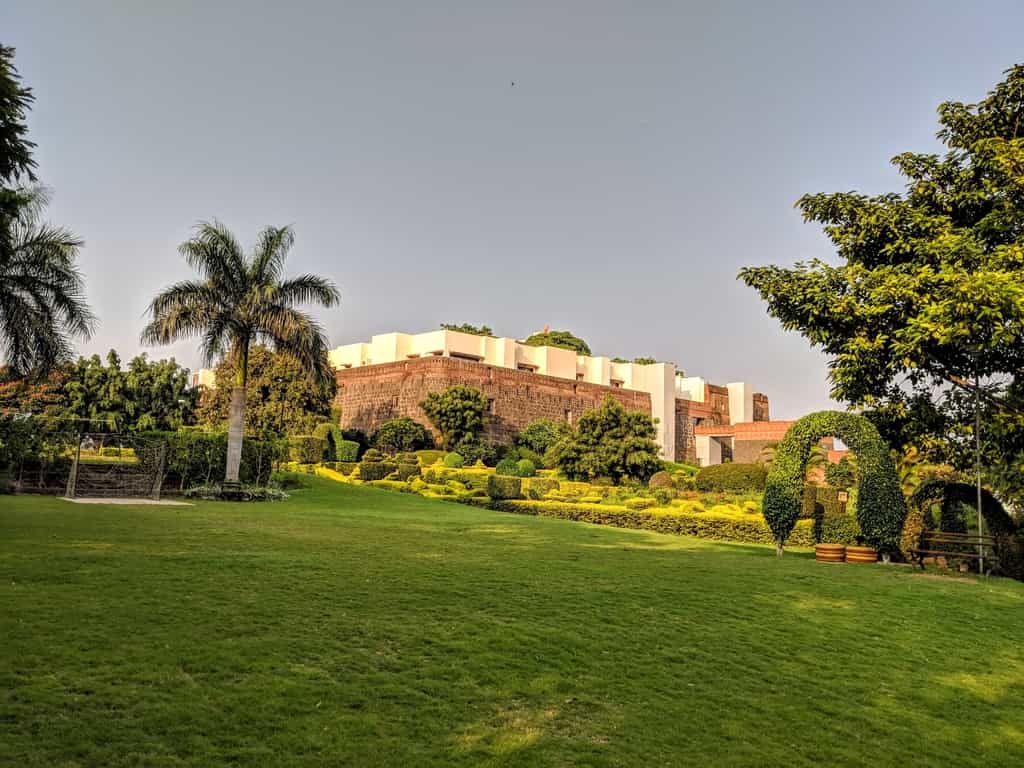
881, 508
947, 493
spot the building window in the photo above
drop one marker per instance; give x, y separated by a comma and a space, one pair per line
579, 377
616, 383
525, 367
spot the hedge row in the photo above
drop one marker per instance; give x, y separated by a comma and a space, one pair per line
748, 529
732, 477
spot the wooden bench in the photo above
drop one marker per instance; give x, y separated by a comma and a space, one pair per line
961, 546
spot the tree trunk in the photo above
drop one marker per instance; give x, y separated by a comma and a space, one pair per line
236, 426
779, 548
236, 415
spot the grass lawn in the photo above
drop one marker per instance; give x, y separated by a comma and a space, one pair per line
352, 626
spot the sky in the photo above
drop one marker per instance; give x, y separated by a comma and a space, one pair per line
605, 168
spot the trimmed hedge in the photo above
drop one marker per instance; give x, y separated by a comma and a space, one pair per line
331, 435
346, 467
732, 477
406, 471
454, 460
538, 486
504, 487
376, 470
660, 479
881, 508
428, 457
707, 525
506, 467
306, 449
825, 497
346, 451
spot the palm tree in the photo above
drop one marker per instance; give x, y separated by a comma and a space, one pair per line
240, 301
42, 293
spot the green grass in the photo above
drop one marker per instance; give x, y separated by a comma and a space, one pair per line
351, 626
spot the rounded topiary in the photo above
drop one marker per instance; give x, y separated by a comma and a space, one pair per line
372, 456
506, 466
454, 460
881, 508
660, 479
525, 468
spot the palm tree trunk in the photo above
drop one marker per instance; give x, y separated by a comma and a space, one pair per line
236, 416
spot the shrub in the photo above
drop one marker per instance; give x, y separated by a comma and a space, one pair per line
346, 450
330, 434
454, 460
197, 458
660, 479
458, 413
506, 467
663, 496
473, 451
402, 434
346, 467
837, 529
525, 468
504, 487
373, 455
541, 434
608, 442
215, 492
306, 449
708, 525
732, 477
110, 450
539, 486
406, 471
640, 503
429, 457
376, 470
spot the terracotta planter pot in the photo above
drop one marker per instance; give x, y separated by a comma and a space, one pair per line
861, 555
829, 553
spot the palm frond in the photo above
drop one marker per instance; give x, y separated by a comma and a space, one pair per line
268, 257
306, 289
215, 253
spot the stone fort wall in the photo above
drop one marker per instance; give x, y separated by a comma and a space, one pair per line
370, 395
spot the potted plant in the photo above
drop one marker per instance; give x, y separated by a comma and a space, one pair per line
861, 553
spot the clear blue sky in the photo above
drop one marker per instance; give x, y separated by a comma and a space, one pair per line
646, 152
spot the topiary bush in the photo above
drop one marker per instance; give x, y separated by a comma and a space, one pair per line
525, 468
731, 477
402, 434
881, 508
428, 458
407, 471
306, 449
330, 434
473, 451
454, 460
506, 467
504, 487
346, 450
539, 486
660, 479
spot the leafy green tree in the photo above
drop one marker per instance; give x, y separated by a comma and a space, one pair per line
39, 396
42, 301
559, 339
149, 395
240, 301
608, 442
458, 413
841, 474
476, 330
401, 434
541, 434
281, 398
928, 294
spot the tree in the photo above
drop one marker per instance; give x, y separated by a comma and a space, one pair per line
475, 330
928, 297
608, 442
401, 435
149, 395
280, 397
559, 339
458, 413
16, 162
238, 302
541, 434
42, 302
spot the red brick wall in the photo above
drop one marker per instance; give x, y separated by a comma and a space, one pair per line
761, 407
370, 395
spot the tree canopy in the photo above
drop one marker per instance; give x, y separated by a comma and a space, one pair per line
928, 293
280, 396
608, 442
559, 339
476, 330
458, 413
